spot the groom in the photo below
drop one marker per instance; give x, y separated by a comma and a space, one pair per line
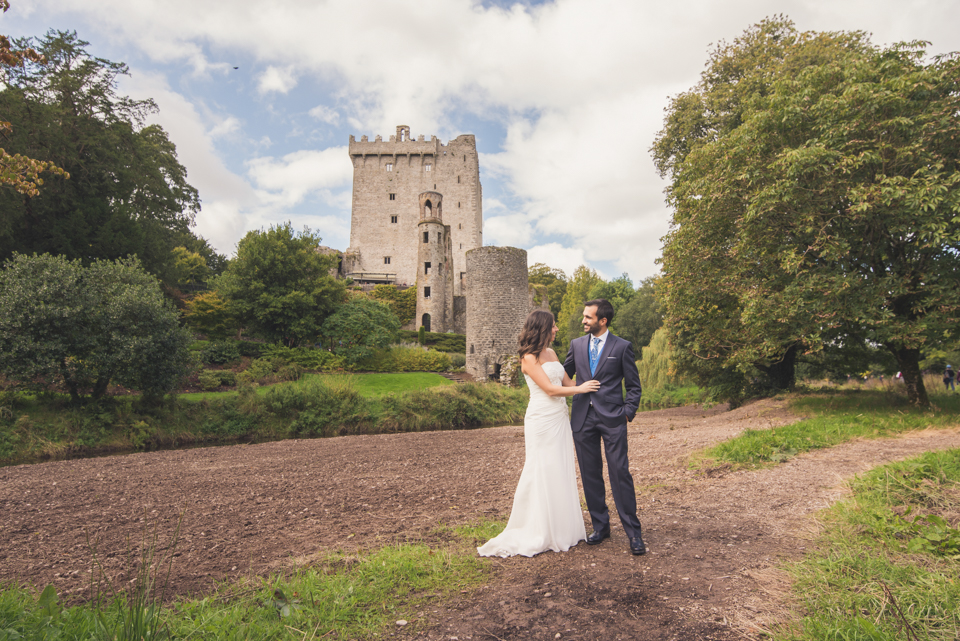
603, 415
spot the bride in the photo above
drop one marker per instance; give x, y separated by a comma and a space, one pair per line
546, 511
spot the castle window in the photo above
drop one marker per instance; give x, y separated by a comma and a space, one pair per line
426, 237
426, 292
458, 180
462, 275
394, 219
389, 166
425, 321
386, 260
460, 226
393, 196
426, 268
440, 237
439, 268
471, 349
458, 205
427, 167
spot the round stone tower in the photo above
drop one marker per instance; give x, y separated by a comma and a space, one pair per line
497, 306
432, 266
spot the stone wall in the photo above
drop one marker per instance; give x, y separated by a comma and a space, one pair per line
388, 177
459, 314
497, 306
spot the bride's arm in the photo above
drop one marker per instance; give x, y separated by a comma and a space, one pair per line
533, 369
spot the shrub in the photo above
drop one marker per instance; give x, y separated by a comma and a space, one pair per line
359, 327
270, 370
308, 358
88, 327
405, 359
220, 353
209, 380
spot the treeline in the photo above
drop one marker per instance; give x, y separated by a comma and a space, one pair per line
636, 310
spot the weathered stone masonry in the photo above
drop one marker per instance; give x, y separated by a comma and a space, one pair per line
388, 178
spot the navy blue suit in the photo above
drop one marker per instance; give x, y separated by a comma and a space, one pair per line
602, 416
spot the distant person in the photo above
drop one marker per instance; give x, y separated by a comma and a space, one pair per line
949, 376
602, 417
546, 511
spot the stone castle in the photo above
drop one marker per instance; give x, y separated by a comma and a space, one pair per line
417, 220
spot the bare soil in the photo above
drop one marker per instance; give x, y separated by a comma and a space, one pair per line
715, 537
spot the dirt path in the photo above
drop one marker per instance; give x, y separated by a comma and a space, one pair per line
256, 508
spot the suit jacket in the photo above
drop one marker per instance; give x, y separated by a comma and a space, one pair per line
616, 364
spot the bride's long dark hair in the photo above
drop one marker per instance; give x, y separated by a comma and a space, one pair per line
537, 333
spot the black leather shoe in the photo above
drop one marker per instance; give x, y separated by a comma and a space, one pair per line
637, 547
597, 537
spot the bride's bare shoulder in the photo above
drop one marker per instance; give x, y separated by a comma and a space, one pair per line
549, 356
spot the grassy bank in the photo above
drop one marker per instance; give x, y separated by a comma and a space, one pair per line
340, 596
370, 385
834, 418
47, 427
887, 564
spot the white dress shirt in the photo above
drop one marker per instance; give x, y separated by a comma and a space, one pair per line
603, 341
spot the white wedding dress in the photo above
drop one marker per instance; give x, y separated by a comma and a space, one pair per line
546, 507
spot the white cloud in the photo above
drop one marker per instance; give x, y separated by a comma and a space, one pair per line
557, 256
227, 126
579, 86
325, 114
289, 180
276, 79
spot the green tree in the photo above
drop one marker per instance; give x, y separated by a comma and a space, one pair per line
403, 303
127, 192
88, 327
554, 280
22, 173
358, 327
569, 321
657, 369
210, 315
189, 267
279, 286
640, 318
828, 210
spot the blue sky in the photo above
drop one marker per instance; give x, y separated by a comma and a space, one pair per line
565, 99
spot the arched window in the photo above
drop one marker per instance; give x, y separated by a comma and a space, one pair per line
425, 321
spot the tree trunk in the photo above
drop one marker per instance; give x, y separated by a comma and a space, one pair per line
908, 359
782, 374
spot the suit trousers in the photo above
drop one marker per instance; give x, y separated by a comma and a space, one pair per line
587, 442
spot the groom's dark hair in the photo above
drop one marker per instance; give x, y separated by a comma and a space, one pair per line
604, 309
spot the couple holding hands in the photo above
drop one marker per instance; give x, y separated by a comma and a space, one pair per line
546, 511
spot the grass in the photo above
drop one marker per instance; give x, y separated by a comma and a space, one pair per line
369, 385
888, 561
342, 596
833, 419
34, 428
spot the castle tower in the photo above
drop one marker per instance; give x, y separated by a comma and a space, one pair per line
498, 302
388, 178
434, 259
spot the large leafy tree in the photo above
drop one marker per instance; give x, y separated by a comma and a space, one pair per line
825, 213
88, 327
17, 171
279, 286
127, 192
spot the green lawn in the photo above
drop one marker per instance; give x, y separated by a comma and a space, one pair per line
833, 419
369, 385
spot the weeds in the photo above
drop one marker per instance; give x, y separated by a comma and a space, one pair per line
886, 566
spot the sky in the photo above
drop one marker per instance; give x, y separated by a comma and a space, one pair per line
565, 99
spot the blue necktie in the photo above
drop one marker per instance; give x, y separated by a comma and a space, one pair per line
594, 355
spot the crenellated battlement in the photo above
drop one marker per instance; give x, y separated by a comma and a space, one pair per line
403, 144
